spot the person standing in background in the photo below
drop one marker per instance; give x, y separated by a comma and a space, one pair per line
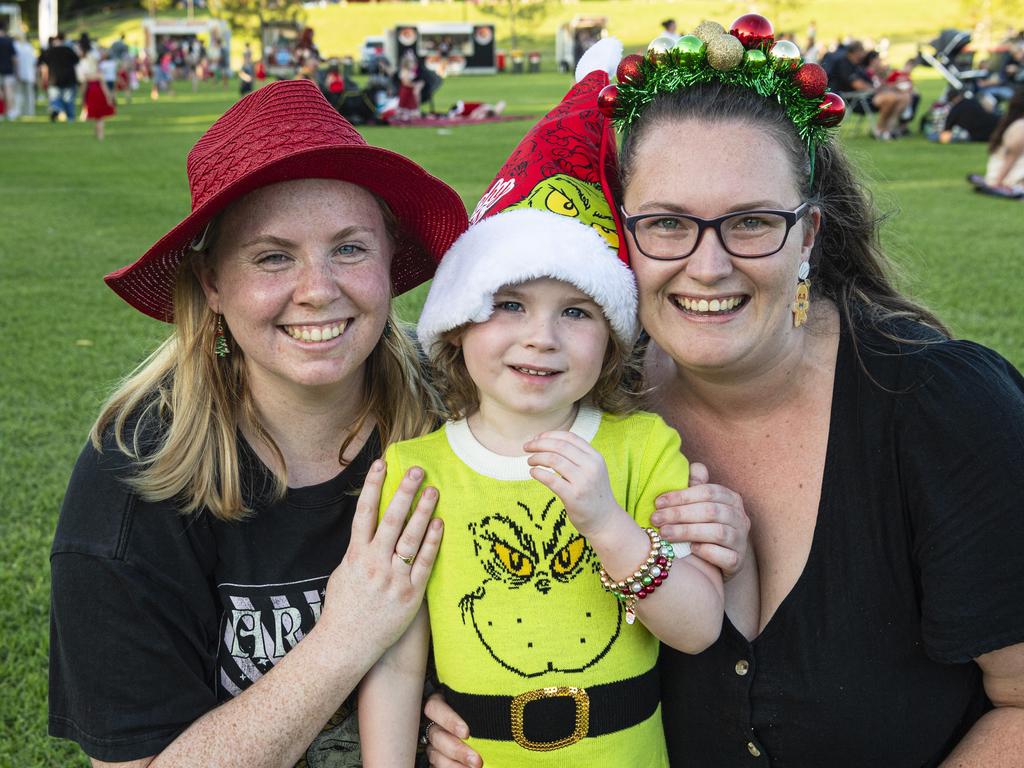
62, 81
669, 25
25, 76
7, 79
108, 73
97, 100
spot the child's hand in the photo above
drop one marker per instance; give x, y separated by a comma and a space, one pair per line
579, 479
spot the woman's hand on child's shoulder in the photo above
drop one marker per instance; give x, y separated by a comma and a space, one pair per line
578, 475
711, 517
387, 562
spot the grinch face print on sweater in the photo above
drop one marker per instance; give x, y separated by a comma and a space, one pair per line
537, 566
567, 196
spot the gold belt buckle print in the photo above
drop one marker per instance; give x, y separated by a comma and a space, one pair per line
578, 695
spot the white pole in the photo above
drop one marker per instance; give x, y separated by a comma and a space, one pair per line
47, 20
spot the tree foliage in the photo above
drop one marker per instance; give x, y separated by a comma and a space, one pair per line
527, 14
992, 19
249, 15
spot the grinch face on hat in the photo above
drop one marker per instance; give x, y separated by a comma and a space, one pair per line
567, 196
537, 566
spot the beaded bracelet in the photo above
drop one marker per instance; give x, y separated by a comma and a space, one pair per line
647, 578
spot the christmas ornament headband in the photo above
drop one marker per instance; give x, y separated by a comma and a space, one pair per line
747, 56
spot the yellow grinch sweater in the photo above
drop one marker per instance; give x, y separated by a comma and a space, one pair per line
516, 604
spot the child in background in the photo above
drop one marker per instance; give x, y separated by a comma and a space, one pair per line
97, 100
108, 73
334, 84
409, 88
547, 478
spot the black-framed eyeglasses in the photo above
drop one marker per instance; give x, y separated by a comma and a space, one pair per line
746, 234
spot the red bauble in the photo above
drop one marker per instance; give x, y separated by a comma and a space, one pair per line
629, 70
833, 110
753, 30
811, 80
606, 100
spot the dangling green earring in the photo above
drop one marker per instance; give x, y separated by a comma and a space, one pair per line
220, 346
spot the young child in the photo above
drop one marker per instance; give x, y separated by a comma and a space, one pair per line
409, 88
97, 101
547, 480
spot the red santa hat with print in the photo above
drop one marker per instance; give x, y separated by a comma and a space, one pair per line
549, 212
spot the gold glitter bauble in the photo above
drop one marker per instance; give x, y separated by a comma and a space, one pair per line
708, 31
725, 52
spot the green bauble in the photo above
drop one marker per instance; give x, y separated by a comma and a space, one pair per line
725, 52
689, 50
755, 59
708, 30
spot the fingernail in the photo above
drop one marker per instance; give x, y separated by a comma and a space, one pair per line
656, 519
377, 465
430, 493
437, 524
416, 473
660, 503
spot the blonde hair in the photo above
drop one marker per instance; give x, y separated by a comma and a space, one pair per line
618, 390
197, 401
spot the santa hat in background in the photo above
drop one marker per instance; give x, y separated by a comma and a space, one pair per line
549, 212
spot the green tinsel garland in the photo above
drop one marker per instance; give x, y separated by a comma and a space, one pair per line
668, 74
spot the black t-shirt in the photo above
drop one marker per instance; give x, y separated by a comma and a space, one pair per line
973, 118
915, 569
844, 73
61, 61
157, 617
7, 54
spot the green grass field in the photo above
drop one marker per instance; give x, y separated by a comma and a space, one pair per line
73, 209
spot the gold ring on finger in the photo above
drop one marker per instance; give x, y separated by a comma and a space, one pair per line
407, 560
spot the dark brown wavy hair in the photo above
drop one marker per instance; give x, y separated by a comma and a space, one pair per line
848, 263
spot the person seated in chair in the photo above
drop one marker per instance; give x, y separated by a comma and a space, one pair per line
848, 77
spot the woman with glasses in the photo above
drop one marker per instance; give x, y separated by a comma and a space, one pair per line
879, 460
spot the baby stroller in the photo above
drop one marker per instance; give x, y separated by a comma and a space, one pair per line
955, 64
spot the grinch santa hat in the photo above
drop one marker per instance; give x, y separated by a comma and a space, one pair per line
548, 213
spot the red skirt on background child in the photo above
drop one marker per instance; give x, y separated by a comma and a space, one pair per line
96, 105
407, 98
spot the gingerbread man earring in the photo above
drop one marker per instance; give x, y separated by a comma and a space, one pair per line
803, 295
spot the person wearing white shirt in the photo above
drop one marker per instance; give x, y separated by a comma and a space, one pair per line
25, 78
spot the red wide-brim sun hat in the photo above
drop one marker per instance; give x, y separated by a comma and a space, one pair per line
287, 131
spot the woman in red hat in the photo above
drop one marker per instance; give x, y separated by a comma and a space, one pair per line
214, 520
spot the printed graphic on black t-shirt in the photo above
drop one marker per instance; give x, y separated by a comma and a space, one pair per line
260, 624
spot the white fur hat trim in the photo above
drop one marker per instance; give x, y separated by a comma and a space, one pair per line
604, 56
519, 245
